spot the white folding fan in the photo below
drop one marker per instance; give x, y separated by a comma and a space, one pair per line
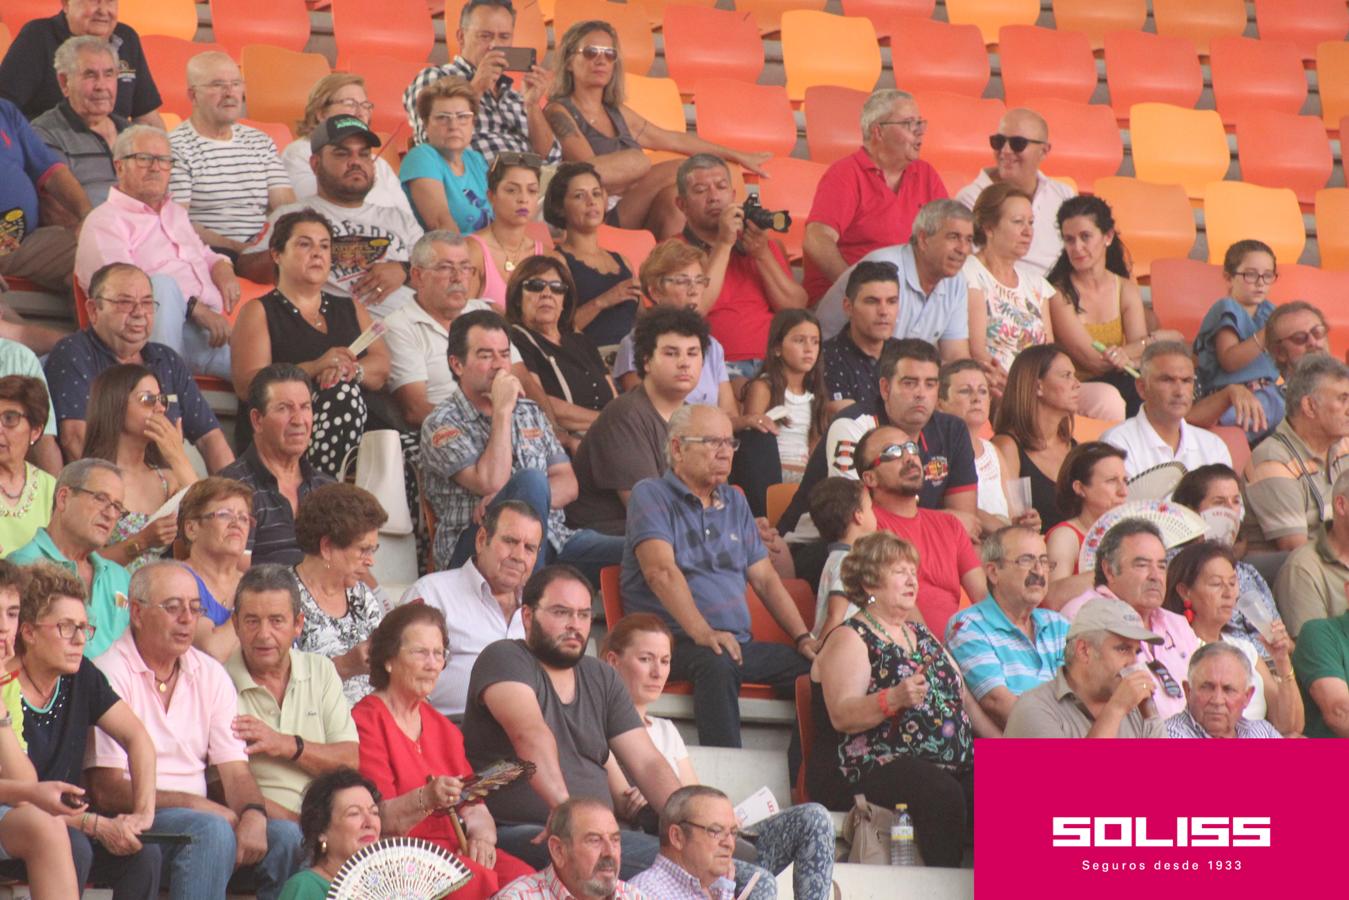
399, 868
1178, 525
1156, 483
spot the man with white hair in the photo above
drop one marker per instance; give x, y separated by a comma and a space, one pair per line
83, 127
1219, 685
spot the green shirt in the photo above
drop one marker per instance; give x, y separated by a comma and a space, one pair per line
305, 885
1322, 652
107, 604
11, 697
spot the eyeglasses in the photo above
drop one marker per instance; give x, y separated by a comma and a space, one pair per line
149, 160
67, 629
354, 105
150, 398
716, 443
684, 282
103, 501
227, 517
11, 418
129, 307
595, 51
423, 654
715, 832
1026, 562
914, 125
465, 269
452, 118
512, 158
236, 84
890, 453
565, 614
1016, 142
535, 285
367, 552
1251, 276
176, 606
1300, 338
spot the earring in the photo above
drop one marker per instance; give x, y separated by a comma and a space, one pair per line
323, 847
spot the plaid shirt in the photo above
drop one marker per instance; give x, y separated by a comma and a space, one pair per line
502, 124
668, 881
545, 885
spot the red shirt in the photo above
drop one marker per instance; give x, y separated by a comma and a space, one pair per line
740, 317
944, 555
854, 200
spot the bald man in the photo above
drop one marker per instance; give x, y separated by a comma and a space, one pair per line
1019, 147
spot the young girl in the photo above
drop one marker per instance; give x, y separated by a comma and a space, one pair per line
1231, 341
792, 377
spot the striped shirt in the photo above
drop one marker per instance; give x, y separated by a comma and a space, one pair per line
1183, 725
993, 653
224, 184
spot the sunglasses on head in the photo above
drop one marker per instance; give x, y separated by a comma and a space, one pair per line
890, 453
512, 158
535, 285
595, 51
1300, 338
1017, 143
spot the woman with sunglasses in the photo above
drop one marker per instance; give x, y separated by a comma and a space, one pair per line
214, 520
593, 124
498, 249
444, 178
26, 492
128, 426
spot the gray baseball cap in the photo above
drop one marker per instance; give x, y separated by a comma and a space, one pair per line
1114, 616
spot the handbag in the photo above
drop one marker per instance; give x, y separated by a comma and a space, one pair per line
867, 832
379, 470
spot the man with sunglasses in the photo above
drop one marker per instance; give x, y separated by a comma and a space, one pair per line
1020, 146
1292, 331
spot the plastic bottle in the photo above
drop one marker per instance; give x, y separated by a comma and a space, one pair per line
903, 851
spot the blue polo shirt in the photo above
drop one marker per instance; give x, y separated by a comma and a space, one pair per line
943, 315
107, 604
713, 547
25, 163
992, 652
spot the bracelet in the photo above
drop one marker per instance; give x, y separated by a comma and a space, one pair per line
256, 807
884, 704
1289, 678
299, 748
421, 799
801, 637
84, 820
95, 831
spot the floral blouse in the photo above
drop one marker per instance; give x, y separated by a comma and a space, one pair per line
331, 637
1016, 315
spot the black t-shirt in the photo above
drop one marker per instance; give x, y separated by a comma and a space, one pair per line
56, 738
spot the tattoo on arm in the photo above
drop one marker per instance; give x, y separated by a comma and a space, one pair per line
560, 122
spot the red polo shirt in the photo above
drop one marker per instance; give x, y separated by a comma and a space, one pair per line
740, 317
944, 555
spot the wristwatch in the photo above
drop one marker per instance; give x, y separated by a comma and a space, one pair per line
256, 807
191, 305
299, 748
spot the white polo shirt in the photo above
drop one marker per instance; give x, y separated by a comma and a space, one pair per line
1046, 243
473, 619
1146, 448
417, 347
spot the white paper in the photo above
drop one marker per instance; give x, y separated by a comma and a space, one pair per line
756, 807
170, 507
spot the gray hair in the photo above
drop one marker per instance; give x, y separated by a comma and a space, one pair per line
144, 577
877, 107
696, 163
198, 63
126, 139
559, 822
932, 216
67, 59
1163, 348
1341, 485
1219, 648
422, 256
76, 475
677, 807
681, 423
268, 577
993, 548
1112, 544
1308, 375
1094, 638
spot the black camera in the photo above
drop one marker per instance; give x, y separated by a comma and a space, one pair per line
767, 219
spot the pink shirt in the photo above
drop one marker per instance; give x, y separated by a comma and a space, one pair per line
160, 242
192, 732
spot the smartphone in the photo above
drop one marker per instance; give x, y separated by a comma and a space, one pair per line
520, 59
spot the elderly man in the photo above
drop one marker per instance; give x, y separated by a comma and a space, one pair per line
122, 311
481, 598
276, 465
1292, 331
150, 666
1160, 433
1019, 147
544, 700
85, 508
28, 79
749, 275
1006, 644
692, 546
698, 831
1313, 581
1289, 477
1219, 685
139, 225
293, 719
869, 200
229, 176
508, 120
82, 128
584, 854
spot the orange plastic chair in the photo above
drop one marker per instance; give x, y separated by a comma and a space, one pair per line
630, 20
1045, 62
805, 725
1302, 23
1144, 68
820, 48
386, 78
635, 245
658, 100
18, 13
936, 56
779, 497
750, 117
1256, 74
168, 58
1238, 445
175, 18
1200, 20
1086, 144
768, 13
1323, 287
655, 9
791, 187
1234, 211
279, 132
1172, 145
609, 594
1182, 292
5, 39
886, 15
398, 28
764, 627
991, 15
1097, 18
833, 122
1087, 429
1155, 221
957, 135
1332, 79
279, 81
711, 43
239, 22
1279, 149
1332, 228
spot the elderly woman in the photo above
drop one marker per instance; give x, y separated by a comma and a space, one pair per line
214, 519
893, 717
1091, 482
639, 647
339, 815
503, 244
1201, 584
128, 425
339, 93
26, 492
338, 530
415, 756
962, 391
444, 178
300, 323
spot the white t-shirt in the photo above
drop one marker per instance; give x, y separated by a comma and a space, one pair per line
666, 737
992, 498
387, 191
793, 435
418, 345
224, 184
831, 582
1146, 448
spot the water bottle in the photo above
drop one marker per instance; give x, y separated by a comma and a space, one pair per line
903, 851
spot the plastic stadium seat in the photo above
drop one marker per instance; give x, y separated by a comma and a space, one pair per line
1144, 68
655, 9
1303, 23
399, 28
1172, 145
711, 43
991, 15
751, 117
1182, 292
1085, 138
1097, 18
768, 13
279, 81
778, 498
1251, 74
833, 122
805, 725
1332, 228
820, 48
630, 20
175, 18
1200, 20
887, 14
279, 132
1086, 429
958, 127
791, 187
1332, 78
1154, 220
657, 99
168, 58
5, 39
935, 56
239, 22
386, 78
1045, 62
18, 13
1282, 150
1238, 445
1323, 287
634, 244
1234, 211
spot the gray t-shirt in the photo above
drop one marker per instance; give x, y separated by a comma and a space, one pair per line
600, 711
623, 446
1051, 710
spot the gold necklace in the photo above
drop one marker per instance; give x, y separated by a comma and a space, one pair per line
510, 254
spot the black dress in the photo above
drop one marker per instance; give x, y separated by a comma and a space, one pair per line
571, 371
613, 324
1042, 491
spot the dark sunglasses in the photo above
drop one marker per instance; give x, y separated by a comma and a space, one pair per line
998, 141
1300, 338
149, 398
594, 51
535, 285
890, 453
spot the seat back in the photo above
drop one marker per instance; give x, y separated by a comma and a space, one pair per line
386, 78
1085, 429
779, 497
1182, 292
991, 15
821, 48
1096, 19
711, 43
886, 15
1154, 220
1200, 20
748, 117
764, 627
1302, 23
18, 13
279, 132
833, 122
1256, 74
1172, 145
805, 727
635, 245
628, 19
768, 13
1332, 81
927, 55
239, 22
1238, 445
279, 81
1234, 211
1321, 287
167, 57
1045, 62
175, 18
956, 143
791, 185
658, 100
1285, 150
5, 39
1086, 139
609, 594
1142, 68
1332, 228
397, 28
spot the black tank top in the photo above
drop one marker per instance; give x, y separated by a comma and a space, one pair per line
1041, 491
614, 323
294, 340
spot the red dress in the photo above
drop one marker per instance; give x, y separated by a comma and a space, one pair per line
397, 764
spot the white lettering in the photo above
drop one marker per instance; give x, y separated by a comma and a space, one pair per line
1072, 831
1190, 831
1250, 831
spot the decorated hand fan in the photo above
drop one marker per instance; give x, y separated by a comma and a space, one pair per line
1178, 525
494, 777
399, 869
1156, 483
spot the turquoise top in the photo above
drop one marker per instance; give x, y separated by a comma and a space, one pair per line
108, 604
305, 885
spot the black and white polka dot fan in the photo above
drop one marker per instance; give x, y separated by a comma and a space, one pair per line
399, 868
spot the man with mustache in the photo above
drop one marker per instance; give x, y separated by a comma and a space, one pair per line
698, 831
1006, 644
1292, 331
83, 127
542, 699
584, 851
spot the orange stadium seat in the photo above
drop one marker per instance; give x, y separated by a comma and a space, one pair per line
175, 18
1154, 220
778, 498
279, 132
279, 81
635, 245
1097, 18
1279, 149
833, 122
655, 9
886, 15
957, 135
386, 78
1234, 210
239, 22
168, 58
752, 117
1325, 288
991, 15
1200, 20
18, 13
791, 186
629, 20
1303, 23
768, 13
1143, 68
1238, 445
399, 28
820, 48
1086, 143
1332, 228
1045, 62
1182, 292
5, 39
657, 99
935, 56
1332, 79
805, 725
1087, 429
1256, 74
711, 43
1172, 145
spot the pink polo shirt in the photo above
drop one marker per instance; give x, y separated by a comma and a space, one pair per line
193, 731
159, 242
